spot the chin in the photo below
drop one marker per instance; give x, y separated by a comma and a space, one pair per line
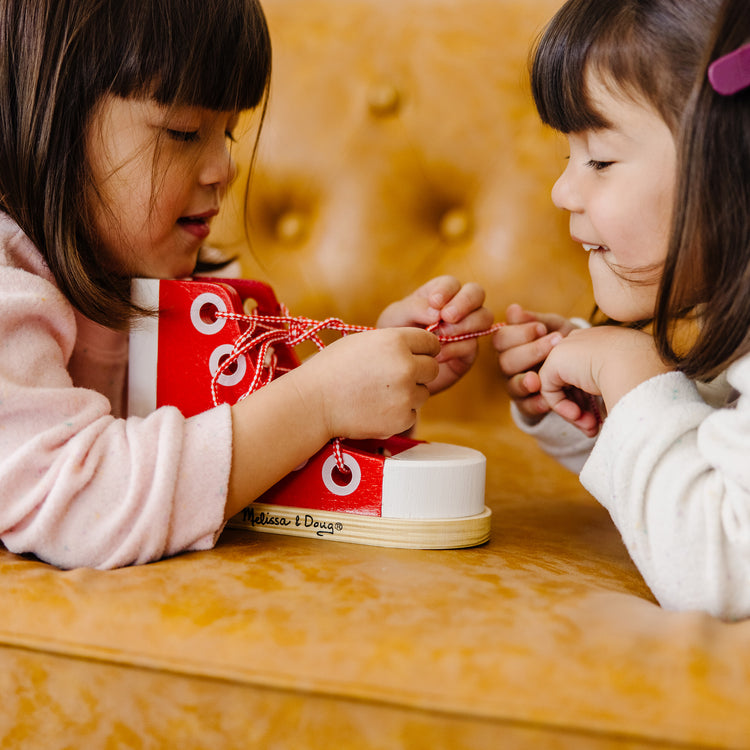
624, 314
624, 304
181, 270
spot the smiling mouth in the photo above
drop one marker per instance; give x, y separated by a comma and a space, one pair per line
596, 248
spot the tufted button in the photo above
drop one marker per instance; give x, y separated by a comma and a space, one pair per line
291, 226
384, 100
455, 225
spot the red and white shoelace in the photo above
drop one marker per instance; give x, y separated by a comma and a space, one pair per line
263, 332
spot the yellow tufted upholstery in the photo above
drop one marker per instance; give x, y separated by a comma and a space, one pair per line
400, 143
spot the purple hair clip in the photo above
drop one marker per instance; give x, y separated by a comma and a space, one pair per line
731, 73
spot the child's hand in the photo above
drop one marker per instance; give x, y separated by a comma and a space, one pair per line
371, 384
605, 361
460, 309
367, 385
522, 345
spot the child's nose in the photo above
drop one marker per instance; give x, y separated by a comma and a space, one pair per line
219, 168
564, 194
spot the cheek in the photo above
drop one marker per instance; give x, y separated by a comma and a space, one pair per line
655, 225
169, 191
639, 230
658, 204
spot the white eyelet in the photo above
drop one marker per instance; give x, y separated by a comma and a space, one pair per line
356, 475
201, 301
225, 378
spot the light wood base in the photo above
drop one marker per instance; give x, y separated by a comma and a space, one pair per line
431, 533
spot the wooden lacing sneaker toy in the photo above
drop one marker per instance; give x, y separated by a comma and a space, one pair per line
397, 492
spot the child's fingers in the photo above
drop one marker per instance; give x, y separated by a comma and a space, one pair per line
426, 369
563, 401
524, 390
462, 351
444, 299
480, 319
424, 347
533, 407
523, 385
440, 290
515, 315
567, 408
420, 341
526, 356
512, 336
585, 421
422, 307
465, 300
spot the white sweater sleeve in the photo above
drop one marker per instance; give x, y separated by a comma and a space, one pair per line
674, 474
557, 438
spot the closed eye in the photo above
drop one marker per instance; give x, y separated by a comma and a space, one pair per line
184, 136
598, 166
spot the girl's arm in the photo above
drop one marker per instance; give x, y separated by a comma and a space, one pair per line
671, 470
606, 361
368, 385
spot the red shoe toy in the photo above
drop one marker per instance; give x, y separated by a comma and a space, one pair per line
218, 340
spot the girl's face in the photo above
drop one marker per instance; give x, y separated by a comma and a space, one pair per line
159, 174
618, 187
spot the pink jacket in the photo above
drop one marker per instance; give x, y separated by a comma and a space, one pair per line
79, 484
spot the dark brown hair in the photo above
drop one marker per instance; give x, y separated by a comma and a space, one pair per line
649, 49
707, 270
58, 58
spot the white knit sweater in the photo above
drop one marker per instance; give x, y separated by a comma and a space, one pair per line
672, 466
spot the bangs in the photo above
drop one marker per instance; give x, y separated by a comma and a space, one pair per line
648, 51
559, 64
211, 55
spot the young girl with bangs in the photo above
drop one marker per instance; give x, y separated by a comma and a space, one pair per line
665, 221
116, 124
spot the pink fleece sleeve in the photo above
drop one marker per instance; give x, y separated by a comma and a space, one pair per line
79, 487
